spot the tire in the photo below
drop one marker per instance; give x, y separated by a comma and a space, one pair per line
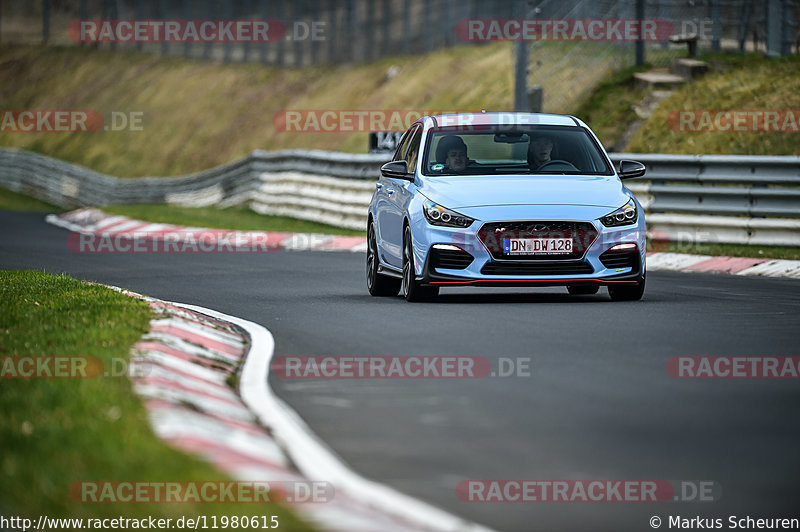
627, 292
582, 290
377, 284
412, 290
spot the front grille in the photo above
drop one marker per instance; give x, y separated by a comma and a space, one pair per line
450, 259
571, 267
614, 259
493, 235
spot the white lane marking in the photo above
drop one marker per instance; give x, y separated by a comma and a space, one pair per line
311, 455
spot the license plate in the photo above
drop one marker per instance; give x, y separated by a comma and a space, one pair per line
537, 246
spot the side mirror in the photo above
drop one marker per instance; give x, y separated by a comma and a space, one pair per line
396, 170
631, 169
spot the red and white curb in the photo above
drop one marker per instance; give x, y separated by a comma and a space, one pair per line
90, 221
733, 265
96, 222
181, 368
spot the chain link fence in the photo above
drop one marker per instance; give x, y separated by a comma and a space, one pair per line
367, 30
358, 31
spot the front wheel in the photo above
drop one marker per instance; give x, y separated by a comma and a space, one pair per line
377, 284
627, 292
412, 290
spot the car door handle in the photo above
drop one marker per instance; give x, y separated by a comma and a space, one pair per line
390, 191
378, 186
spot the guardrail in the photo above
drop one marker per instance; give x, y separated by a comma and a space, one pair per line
688, 198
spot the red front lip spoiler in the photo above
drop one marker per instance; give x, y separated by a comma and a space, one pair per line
473, 281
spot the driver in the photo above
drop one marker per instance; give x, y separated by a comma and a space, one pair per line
539, 151
453, 151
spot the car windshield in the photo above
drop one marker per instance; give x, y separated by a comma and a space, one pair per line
513, 149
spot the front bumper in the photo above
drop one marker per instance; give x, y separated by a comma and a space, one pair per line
595, 267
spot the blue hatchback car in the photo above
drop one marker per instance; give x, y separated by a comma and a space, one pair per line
504, 199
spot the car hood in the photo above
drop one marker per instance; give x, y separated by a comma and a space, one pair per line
456, 192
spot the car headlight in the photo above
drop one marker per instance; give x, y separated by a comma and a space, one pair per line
625, 215
438, 215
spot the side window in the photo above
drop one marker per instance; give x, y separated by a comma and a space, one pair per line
413, 150
401, 148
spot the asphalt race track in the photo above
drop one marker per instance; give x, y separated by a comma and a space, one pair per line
599, 403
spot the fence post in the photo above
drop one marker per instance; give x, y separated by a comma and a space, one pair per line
536, 99
427, 31
748, 12
788, 25
312, 21
45, 21
245, 14
716, 17
139, 16
520, 65
298, 12
369, 27
774, 27
209, 16
113, 15
164, 43
280, 46
226, 46
406, 26
386, 12
640, 53
265, 14
333, 17
351, 30
187, 15
83, 14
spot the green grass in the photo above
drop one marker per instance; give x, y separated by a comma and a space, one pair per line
237, 218
55, 432
198, 115
14, 201
736, 82
609, 109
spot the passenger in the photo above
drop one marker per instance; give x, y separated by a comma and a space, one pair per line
539, 151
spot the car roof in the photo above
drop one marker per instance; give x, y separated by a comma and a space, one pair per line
508, 118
